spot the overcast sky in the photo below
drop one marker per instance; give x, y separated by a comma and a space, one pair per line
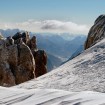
74, 16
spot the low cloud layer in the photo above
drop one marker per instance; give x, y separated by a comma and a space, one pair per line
52, 26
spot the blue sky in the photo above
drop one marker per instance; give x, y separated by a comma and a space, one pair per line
76, 11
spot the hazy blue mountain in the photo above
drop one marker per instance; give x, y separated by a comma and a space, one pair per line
60, 46
53, 44
9, 32
73, 45
76, 53
53, 62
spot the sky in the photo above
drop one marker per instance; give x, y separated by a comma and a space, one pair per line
58, 16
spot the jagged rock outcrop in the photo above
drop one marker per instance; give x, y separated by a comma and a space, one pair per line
40, 57
97, 32
40, 61
24, 36
18, 55
26, 64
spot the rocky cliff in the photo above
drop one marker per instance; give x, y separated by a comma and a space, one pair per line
97, 32
17, 59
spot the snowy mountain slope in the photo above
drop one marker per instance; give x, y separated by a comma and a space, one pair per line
13, 96
84, 73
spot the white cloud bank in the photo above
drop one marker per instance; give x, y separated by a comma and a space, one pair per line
52, 26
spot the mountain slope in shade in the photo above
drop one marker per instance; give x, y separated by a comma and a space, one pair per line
53, 62
85, 72
14, 96
76, 53
58, 45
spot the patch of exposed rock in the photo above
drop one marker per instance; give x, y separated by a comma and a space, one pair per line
97, 32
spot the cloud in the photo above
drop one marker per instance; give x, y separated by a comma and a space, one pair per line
52, 26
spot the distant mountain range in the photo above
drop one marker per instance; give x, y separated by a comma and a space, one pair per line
9, 32
75, 54
59, 47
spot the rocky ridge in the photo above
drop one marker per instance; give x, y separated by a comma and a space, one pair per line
17, 59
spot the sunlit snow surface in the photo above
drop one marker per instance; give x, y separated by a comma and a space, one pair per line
13, 96
74, 83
